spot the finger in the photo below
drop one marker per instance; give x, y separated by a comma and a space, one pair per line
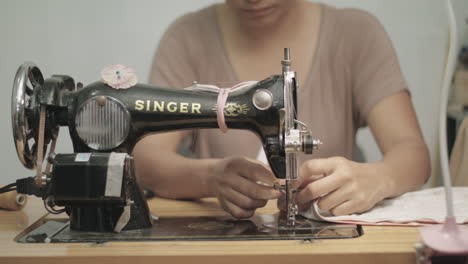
332, 200
313, 170
235, 210
281, 203
304, 181
304, 206
254, 171
345, 208
241, 200
319, 188
318, 167
251, 189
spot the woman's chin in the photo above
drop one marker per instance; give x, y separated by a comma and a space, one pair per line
263, 22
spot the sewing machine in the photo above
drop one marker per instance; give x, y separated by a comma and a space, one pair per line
96, 184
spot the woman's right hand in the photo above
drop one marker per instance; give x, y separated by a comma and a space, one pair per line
237, 181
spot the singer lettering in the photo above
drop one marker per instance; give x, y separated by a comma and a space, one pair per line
172, 107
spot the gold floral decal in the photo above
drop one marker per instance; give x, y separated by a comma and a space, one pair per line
234, 109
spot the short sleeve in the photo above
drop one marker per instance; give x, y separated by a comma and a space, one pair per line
172, 64
375, 70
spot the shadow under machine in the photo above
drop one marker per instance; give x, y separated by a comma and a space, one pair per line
96, 185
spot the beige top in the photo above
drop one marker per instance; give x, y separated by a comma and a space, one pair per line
459, 156
354, 67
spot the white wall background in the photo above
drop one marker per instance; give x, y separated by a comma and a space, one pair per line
78, 38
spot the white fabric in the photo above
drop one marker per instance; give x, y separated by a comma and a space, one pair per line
413, 208
261, 156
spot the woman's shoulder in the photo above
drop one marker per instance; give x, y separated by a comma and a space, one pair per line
358, 29
352, 21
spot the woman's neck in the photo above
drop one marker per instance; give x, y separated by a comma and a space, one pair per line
286, 25
255, 56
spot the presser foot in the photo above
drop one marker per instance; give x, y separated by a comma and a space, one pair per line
291, 210
283, 222
288, 219
300, 224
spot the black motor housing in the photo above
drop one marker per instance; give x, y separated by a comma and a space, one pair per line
87, 184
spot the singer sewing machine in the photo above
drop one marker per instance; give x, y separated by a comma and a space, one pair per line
96, 184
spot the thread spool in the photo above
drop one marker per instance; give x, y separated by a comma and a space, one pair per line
12, 201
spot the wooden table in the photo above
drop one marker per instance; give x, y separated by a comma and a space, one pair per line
377, 245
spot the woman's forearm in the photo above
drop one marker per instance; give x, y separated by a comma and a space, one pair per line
405, 166
171, 175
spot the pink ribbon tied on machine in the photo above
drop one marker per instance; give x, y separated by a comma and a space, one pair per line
223, 94
221, 102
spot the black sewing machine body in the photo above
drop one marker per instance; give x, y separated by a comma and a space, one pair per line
96, 184
144, 109
103, 121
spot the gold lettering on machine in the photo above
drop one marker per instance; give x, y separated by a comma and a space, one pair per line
162, 106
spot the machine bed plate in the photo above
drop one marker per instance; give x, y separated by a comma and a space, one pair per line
259, 227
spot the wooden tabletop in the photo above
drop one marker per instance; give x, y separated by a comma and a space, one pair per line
377, 245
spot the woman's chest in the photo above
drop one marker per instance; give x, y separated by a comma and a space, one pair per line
255, 66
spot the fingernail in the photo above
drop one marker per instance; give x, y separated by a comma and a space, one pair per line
263, 184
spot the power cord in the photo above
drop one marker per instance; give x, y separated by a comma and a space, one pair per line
25, 186
8, 188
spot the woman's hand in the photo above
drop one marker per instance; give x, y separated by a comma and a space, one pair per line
342, 186
235, 185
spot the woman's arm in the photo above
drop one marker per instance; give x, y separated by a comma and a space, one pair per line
381, 101
162, 170
346, 187
406, 161
232, 180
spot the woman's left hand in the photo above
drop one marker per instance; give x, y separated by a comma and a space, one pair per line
342, 186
